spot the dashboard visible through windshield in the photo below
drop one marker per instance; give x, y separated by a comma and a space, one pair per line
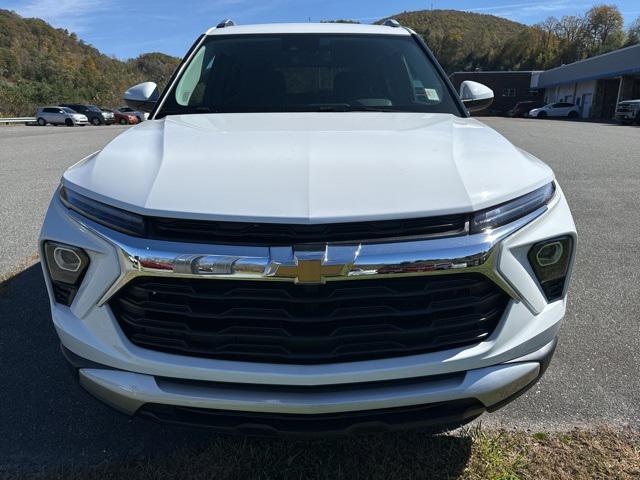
308, 72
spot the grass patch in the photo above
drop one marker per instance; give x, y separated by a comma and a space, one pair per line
475, 454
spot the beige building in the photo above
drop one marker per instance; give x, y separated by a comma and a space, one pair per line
596, 84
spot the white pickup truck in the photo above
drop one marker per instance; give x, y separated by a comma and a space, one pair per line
628, 112
310, 234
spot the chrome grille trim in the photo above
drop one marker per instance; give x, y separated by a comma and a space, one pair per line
433, 256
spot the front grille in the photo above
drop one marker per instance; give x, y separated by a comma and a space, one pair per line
247, 233
280, 322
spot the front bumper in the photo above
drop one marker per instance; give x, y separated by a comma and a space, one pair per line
132, 379
625, 116
432, 400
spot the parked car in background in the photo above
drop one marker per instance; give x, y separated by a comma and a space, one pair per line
93, 113
60, 116
560, 109
142, 116
628, 112
522, 109
125, 118
108, 110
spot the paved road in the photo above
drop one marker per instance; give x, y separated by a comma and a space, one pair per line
32, 160
46, 418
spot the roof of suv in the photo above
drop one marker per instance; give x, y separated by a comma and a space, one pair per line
308, 28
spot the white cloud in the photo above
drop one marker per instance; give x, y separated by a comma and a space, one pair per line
526, 10
74, 15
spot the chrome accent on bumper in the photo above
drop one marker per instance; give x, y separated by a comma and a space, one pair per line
326, 262
128, 391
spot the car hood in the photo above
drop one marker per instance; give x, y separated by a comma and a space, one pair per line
307, 167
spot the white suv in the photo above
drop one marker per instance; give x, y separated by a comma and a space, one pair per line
560, 109
308, 235
60, 116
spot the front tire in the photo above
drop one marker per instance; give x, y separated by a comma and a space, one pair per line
42, 122
123, 121
542, 115
573, 114
68, 122
95, 121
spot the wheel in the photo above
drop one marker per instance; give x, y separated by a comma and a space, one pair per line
68, 122
637, 120
95, 121
123, 121
542, 115
573, 114
42, 122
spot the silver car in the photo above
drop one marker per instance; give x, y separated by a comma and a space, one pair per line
60, 116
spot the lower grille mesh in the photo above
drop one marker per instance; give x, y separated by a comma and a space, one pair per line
279, 322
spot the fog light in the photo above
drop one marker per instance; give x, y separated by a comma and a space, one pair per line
550, 262
67, 265
549, 254
67, 259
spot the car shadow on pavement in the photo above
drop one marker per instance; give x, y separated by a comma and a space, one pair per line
49, 420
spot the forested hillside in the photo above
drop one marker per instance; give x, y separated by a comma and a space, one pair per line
469, 41
40, 64
43, 65
462, 40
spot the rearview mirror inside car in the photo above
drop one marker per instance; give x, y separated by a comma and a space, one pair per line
142, 97
475, 96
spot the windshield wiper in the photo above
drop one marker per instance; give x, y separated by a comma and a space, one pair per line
319, 107
341, 107
365, 108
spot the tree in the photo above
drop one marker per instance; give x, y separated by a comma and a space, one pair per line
549, 27
633, 33
604, 25
571, 31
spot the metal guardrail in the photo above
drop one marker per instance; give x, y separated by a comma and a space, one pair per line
18, 120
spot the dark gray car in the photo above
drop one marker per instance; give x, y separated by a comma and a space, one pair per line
94, 114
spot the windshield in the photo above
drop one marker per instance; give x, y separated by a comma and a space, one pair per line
68, 110
309, 72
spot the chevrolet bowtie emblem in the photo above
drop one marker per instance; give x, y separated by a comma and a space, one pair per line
309, 271
308, 266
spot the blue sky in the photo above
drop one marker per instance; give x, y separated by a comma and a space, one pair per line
127, 28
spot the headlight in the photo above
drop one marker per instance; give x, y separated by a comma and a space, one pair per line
508, 212
112, 217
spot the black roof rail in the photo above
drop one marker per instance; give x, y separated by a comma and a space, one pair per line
391, 22
226, 23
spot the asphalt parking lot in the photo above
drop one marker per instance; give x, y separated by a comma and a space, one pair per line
593, 378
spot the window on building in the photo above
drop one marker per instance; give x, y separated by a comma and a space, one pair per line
509, 92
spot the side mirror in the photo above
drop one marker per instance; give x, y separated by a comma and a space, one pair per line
142, 97
475, 96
